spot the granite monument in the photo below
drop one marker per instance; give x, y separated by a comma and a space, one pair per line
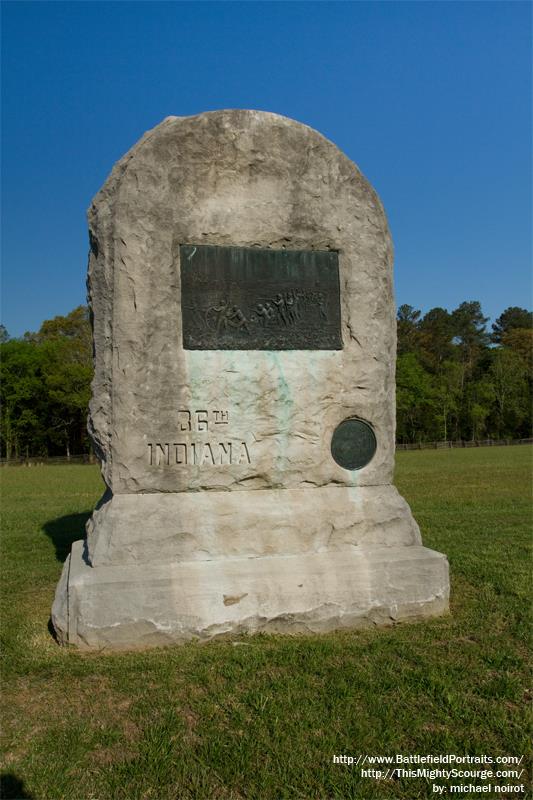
243, 408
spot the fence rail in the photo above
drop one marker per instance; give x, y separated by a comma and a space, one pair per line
37, 461
461, 443
90, 458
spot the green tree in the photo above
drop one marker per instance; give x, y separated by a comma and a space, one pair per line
470, 335
513, 318
520, 341
22, 403
414, 399
436, 333
447, 399
46, 380
407, 329
74, 328
67, 381
479, 402
511, 392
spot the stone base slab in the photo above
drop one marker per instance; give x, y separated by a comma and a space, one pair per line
205, 526
133, 606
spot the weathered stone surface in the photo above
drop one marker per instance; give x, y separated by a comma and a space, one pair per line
218, 463
193, 526
59, 616
251, 179
136, 606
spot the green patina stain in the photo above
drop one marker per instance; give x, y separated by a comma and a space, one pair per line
284, 404
355, 496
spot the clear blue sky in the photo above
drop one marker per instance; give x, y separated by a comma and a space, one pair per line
431, 100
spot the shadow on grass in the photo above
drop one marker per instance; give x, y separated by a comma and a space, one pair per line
53, 633
11, 788
63, 531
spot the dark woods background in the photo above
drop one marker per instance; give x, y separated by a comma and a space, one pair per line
45, 388
456, 380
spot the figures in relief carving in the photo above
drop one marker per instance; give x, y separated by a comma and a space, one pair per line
285, 310
228, 315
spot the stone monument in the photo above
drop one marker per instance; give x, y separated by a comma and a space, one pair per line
240, 281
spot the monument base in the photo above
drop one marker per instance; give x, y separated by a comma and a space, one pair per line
133, 606
178, 527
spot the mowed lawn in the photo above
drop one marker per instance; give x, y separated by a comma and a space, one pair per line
262, 717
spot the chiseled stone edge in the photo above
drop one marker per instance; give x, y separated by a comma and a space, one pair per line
100, 298
59, 614
133, 606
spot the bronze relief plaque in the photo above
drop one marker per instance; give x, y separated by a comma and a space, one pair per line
353, 444
244, 298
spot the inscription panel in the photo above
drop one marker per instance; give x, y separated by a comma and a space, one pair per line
197, 454
238, 298
193, 451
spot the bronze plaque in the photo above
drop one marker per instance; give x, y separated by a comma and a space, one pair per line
243, 298
353, 444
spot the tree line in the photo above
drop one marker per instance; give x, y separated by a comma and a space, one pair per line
455, 380
45, 388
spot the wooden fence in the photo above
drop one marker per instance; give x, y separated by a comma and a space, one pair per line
37, 461
461, 443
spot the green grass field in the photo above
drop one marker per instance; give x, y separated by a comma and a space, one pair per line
262, 717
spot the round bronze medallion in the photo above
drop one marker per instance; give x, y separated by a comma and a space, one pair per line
353, 444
